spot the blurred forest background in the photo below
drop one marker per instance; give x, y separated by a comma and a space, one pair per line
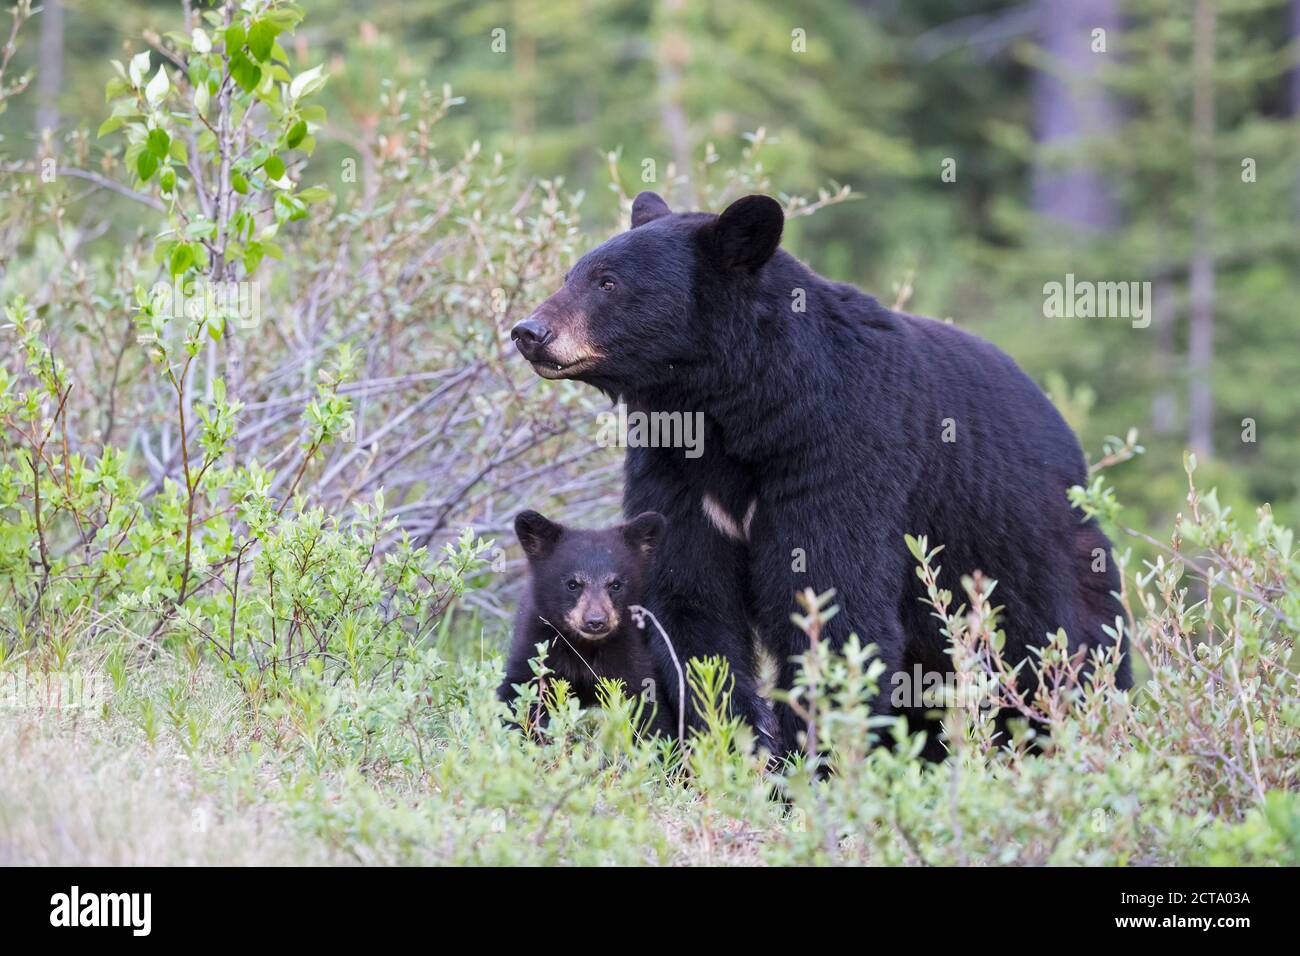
249, 590
993, 145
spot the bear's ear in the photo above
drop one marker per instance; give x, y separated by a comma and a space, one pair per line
748, 232
537, 534
647, 206
645, 531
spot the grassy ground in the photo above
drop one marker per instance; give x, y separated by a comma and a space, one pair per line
118, 782
176, 766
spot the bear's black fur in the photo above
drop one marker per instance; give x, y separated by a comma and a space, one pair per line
834, 426
581, 586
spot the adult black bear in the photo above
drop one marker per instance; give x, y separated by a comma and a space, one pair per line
834, 426
581, 584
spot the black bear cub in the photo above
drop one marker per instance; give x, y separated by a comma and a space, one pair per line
582, 584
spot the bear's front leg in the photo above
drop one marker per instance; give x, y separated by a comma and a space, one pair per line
697, 592
697, 629
794, 548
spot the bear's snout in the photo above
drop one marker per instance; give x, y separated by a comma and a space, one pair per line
554, 339
530, 337
594, 617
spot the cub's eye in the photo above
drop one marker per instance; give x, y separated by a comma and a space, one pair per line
572, 585
616, 586
607, 285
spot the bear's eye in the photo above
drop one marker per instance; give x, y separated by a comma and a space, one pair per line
607, 284
572, 584
616, 586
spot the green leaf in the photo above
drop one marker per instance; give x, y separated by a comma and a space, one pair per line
315, 194
158, 142
234, 39
261, 36
288, 209
252, 256
139, 68
181, 259
110, 124
146, 164
307, 82
116, 87
296, 133
246, 73
167, 179
274, 167
284, 18
239, 183
157, 89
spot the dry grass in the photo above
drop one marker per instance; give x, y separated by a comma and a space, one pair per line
70, 796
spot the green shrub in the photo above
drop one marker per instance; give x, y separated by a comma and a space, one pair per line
247, 575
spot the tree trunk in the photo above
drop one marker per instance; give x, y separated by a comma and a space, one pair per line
1167, 285
1295, 81
1072, 107
1200, 344
1164, 403
523, 100
49, 69
671, 55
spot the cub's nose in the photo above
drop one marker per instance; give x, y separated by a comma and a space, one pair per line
595, 624
531, 335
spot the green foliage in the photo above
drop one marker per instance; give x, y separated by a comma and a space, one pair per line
243, 558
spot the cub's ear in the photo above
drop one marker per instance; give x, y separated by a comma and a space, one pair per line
647, 206
645, 531
537, 534
748, 232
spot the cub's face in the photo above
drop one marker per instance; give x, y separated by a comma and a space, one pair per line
627, 313
583, 582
